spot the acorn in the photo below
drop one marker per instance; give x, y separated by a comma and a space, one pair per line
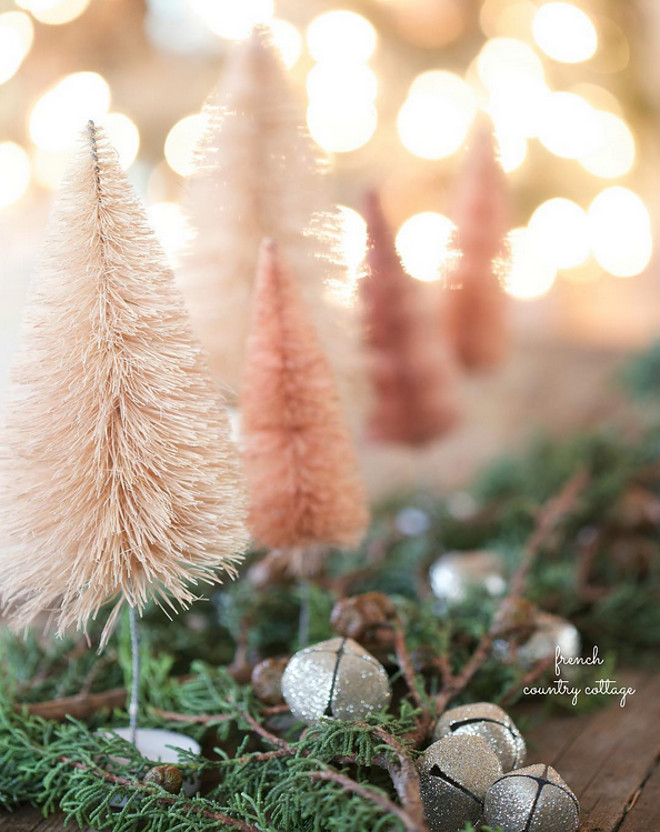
267, 680
168, 777
360, 615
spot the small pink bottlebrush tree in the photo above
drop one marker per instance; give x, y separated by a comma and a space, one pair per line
411, 372
475, 304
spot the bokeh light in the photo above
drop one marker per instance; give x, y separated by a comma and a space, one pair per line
353, 236
62, 112
620, 229
529, 276
341, 35
181, 141
169, 223
559, 231
340, 127
232, 19
338, 85
512, 148
424, 245
124, 136
565, 32
287, 40
568, 126
16, 35
14, 173
49, 167
506, 60
54, 12
434, 120
612, 152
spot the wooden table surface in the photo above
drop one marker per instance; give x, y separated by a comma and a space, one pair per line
611, 760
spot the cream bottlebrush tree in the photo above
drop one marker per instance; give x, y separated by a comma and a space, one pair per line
475, 304
301, 468
259, 174
120, 482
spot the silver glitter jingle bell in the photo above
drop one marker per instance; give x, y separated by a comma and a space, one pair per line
335, 678
491, 724
550, 632
455, 574
454, 776
532, 799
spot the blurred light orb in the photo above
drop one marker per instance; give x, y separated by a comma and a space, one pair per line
424, 245
54, 12
232, 19
63, 111
14, 173
518, 104
507, 18
512, 149
181, 142
341, 35
559, 229
49, 167
434, 120
16, 35
341, 128
612, 153
621, 236
505, 60
124, 136
287, 40
529, 275
565, 32
169, 223
337, 85
568, 127
353, 236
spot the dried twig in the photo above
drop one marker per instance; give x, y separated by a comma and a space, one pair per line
550, 515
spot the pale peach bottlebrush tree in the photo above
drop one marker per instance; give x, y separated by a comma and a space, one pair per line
259, 174
413, 380
475, 304
300, 464
120, 482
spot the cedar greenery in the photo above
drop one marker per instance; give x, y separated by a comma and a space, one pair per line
258, 771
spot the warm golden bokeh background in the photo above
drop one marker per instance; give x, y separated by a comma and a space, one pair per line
391, 88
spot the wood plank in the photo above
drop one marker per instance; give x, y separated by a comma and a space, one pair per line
643, 815
611, 755
24, 819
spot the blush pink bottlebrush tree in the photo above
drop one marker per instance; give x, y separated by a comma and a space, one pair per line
258, 174
119, 480
301, 468
413, 381
475, 304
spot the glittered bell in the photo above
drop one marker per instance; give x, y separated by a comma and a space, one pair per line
491, 724
455, 574
454, 776
532, 799
335, 678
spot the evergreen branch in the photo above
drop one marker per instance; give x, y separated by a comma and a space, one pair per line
369, 794
549, 517
149, 788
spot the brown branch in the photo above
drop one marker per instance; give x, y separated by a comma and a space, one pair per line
80, 706
192, 719
549, 517
405, 662
369, 794
258, 728
532, 675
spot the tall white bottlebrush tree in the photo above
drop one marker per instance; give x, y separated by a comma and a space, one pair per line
259, 175
119, 480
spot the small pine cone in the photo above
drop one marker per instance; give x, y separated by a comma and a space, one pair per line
267, 680
638, 509
356, 617
516, 618
167, 777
